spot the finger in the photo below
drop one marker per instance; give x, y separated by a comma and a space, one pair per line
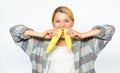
50, 34
68, 31
71, 31
54, 31
75, 36
48, 37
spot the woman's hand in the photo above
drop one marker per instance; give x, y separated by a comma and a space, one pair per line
77, 35
74, 34
48, 34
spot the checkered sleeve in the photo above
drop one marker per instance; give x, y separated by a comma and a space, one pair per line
103, 37
25, 42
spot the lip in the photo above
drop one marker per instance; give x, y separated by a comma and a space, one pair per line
61, 28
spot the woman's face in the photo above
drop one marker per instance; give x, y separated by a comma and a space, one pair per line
62, 21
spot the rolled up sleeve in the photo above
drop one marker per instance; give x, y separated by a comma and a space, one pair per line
106, 32
103, 37
25, 42
17, 32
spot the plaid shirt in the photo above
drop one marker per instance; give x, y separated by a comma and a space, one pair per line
85, 51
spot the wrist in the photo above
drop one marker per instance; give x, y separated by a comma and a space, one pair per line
40, 35
81, 35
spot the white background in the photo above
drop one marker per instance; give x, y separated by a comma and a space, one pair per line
37, 14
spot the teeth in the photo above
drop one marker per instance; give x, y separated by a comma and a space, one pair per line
68, 40
54, 41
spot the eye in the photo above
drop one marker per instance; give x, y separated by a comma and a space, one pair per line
66, 20
57, 21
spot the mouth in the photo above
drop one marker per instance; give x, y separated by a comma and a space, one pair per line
62, 36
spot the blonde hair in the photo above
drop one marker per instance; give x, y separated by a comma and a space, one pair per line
63, 9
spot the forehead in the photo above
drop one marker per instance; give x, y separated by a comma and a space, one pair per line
62, 15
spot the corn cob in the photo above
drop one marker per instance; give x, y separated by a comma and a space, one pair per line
68, 40
54, 41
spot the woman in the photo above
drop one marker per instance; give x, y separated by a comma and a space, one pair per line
85, 49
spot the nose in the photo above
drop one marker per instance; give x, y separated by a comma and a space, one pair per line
62, 24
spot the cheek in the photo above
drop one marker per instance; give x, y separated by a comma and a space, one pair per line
56, 25
69, 25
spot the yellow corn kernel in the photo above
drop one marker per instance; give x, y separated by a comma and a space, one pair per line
54, 41
68, 40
